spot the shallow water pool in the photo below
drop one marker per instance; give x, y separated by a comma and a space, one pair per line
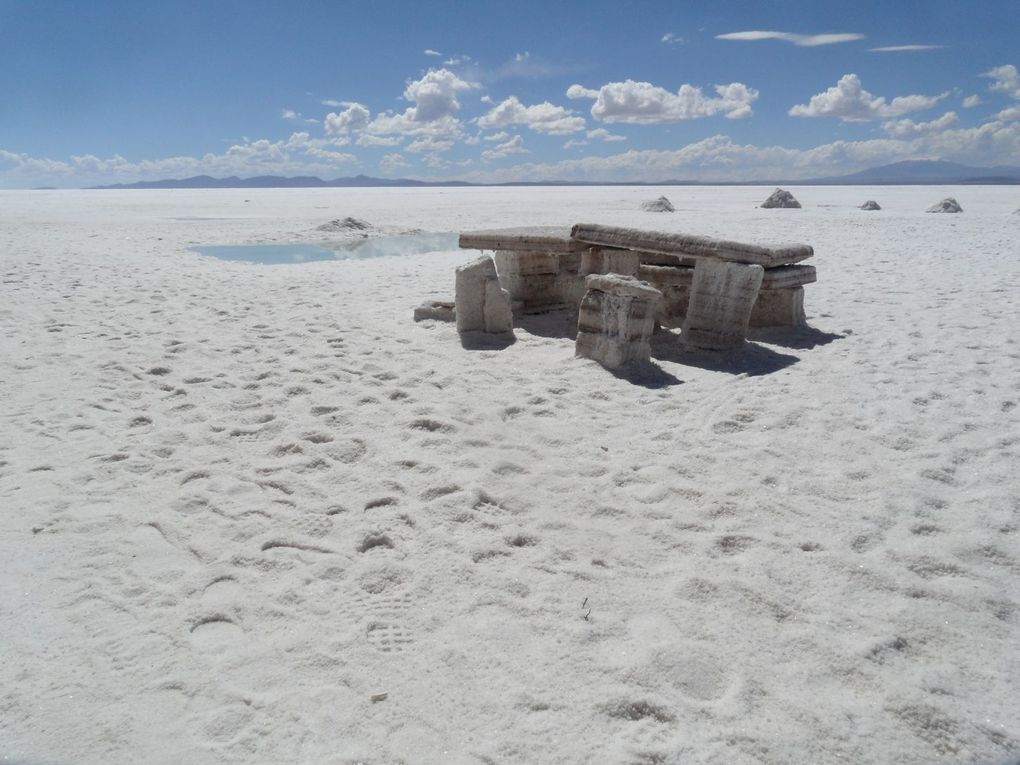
374, 247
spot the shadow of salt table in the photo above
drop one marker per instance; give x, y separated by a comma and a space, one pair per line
622, 281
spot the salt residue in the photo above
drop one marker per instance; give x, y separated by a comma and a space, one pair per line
241, 502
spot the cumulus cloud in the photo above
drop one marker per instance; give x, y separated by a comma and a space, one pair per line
354, 117
719, 158
803, 41
392, 162
601, 134
430, 52
1006, 79
435, 95
514, 146
850, 102
971, 101
574, 142
290, 114
524, 66
579, 91
542, 118
644, 103
367, 139
904, 48
431, 144
432, 118
907, 128
502, 135
671, 39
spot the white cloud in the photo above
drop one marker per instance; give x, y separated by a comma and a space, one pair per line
542, 118
432, 117
720, 159
574, 142
392, 162
524, 66
971, 101
803, 41
431, 120
514, 146
486, 100
671, 39
354, 117
644, 103
290, 114
1007, 80
366, 139
331, 157
502, 135
579, 91
431, 144
850, 102
904, 48
435, 95
907, 128
430, 52
601, 134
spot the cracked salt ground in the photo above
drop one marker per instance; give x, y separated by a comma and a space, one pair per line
239, 502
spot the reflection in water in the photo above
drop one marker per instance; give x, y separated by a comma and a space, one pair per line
374, 247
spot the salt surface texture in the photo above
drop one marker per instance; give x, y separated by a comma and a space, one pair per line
260, 515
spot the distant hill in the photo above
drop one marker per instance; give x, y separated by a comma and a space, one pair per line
276, 182
926, 172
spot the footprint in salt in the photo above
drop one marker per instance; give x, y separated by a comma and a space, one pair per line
383, 603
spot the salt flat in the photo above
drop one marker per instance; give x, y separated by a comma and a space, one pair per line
237, 502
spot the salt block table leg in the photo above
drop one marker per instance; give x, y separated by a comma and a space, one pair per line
779, 308
722, 296
616, 320
481, 305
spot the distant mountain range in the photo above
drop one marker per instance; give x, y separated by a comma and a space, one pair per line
923, 172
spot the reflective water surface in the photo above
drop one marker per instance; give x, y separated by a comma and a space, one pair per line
375, 247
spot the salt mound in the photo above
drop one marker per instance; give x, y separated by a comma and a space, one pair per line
947, 205
658, 205
871, 204
345, 224
780, 198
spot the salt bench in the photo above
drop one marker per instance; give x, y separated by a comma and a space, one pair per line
544, 267
540, 266
725, 285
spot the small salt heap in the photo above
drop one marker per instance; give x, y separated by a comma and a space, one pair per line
780, 198
947, 205
658, 205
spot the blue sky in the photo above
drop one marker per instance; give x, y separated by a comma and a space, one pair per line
98, 92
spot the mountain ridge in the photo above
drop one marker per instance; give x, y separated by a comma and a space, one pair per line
908, 172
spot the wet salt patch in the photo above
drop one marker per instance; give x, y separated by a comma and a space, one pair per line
375, 247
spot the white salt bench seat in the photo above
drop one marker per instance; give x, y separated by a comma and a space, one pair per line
780, 300
691, 246
538, 265
727, 285
713, 288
